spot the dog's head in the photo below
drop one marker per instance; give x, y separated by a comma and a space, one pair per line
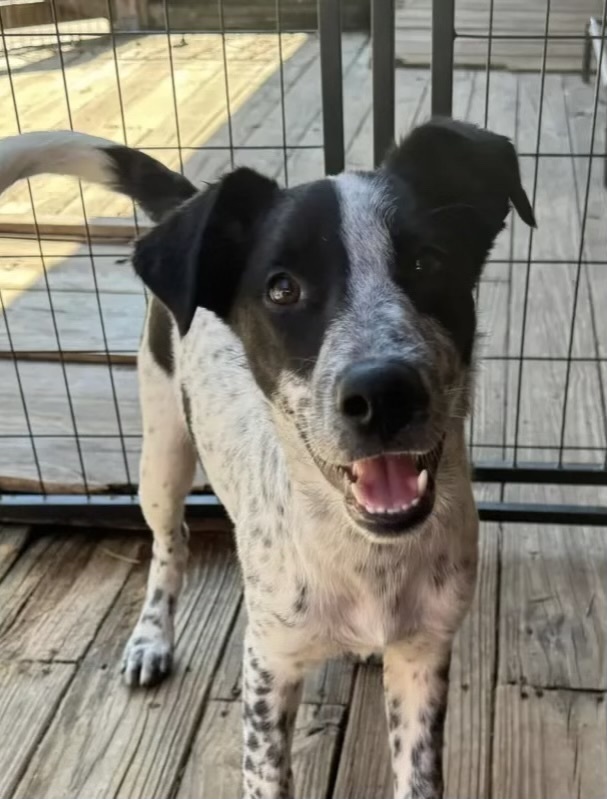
353, 298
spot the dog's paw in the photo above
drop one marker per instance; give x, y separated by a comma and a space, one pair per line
148, 659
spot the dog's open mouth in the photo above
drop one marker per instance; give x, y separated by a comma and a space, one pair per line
391, 493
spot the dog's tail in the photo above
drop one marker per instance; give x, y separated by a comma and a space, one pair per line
157, 189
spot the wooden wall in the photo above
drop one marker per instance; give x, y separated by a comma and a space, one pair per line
203, 15
189, 15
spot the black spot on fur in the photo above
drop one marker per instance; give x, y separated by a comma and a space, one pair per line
440, 571
187, 410
301, 603
266, 677
159, 336
157, 596
140, 640
253, 742
274, 756
248, 763
397, 745
171, 604
150, 618
393, 720
261, 708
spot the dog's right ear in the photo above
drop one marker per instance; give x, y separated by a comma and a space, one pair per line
196, 256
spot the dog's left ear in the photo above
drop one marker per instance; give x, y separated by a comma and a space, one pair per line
451, 163
196, 256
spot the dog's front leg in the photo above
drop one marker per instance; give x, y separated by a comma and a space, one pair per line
416, 679
271, 695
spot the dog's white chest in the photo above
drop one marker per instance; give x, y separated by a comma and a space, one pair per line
361, 619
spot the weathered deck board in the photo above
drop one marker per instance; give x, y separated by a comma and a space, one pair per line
550, 743
83, 732
471, 690
214, 764
48, 612
134, 743
368, 777
553, 599
29, 696
13, 541
146, 86
510, 17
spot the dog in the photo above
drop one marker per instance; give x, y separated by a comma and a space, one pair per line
314, 346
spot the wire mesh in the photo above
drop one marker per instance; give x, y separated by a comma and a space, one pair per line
204, 89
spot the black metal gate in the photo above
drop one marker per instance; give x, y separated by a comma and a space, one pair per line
563, 462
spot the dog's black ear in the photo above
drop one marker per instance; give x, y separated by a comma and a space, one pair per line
196, 256
451, 163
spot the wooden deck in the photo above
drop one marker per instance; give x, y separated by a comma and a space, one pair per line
527, 698
516, 29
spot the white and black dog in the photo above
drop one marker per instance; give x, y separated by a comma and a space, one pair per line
314, 346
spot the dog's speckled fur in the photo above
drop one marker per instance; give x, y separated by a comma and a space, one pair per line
223, 382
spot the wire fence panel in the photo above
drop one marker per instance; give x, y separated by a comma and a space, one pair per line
298, 91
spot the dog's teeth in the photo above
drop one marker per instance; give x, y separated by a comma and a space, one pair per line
422, 482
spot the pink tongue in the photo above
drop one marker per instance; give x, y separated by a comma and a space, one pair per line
385, 483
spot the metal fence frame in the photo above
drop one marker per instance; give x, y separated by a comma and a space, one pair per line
119, 509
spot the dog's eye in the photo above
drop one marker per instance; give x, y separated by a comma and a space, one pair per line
428, 262
282, 289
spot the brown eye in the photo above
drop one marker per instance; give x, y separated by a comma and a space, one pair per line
428, 262
283, 289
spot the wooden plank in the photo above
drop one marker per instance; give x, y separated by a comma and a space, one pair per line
105, 740
550, 298
147, 87
13, 541
331, 684
368, 777
109, 264
548, 744
90, 391
29, 696
411, 104
472, 17
553, 603
56, 596
579, 101
487, 425
78, 321
467, 757
103, 458
214, 765
61, 467
108, 228
471, 691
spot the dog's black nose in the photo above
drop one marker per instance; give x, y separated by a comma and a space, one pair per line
382, 396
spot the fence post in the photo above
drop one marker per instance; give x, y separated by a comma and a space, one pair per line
382, 36
329, 32
443, 39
